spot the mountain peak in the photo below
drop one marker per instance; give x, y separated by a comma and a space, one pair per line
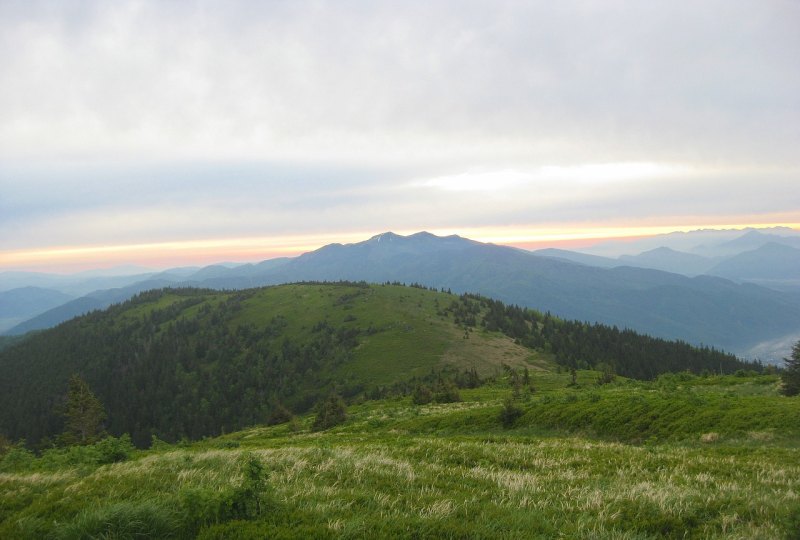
387, 236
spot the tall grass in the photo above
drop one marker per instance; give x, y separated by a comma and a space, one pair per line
396, 470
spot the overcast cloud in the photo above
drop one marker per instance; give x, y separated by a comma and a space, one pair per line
145, 121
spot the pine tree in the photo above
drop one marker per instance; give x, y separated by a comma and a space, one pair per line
791, 373
84, 414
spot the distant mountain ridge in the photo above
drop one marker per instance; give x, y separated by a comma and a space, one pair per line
766, 259
700, 310
17, 305
670, 260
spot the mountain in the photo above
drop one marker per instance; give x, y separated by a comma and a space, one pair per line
189, 362
93, 301
772, 264
669, 260
700, 310
769, 260
581, 258
73, 284
17, 305
706, 242
753, 240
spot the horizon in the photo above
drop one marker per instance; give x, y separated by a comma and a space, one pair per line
143, 133
139, 258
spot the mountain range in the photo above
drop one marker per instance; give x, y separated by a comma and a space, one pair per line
724, 312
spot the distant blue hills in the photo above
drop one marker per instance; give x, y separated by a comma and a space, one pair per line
725, 312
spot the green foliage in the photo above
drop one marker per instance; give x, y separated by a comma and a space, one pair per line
105, 451
123, 520
607, 374
202, 507
114, 450
250, 498
446, 392
422, 395
510, 413
279, 415
16, 458
84, 414
331, 412
395, 470
791, 373
188, 363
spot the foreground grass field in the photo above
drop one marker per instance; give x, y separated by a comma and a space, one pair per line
713, 457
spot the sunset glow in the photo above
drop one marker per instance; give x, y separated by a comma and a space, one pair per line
131, 138
160, 255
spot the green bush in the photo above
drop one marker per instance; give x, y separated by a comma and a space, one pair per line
16, 459
332, 412
422, 395
113, 450
447, 392
279, 415
509, 413
203, 507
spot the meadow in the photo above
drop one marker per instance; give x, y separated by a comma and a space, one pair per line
682, 456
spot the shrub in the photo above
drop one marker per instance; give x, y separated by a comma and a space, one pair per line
249, 499
113, 450
606, 373
422, 395
447, 393
16, 459
510, 413
279, 415
332, 412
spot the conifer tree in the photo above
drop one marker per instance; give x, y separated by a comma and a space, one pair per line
84, 414
791, 373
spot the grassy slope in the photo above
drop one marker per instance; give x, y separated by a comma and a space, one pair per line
402, 333
409, 340
729, 467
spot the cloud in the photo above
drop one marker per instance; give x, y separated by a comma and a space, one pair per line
356, 82
144, 121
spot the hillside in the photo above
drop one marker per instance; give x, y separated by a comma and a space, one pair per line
191, 363
669, 260
701, 310
678, 457
18, 305
772, 264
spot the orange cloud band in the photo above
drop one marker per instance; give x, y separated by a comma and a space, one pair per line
207, 251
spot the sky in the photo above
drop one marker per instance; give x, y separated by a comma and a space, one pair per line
167, 133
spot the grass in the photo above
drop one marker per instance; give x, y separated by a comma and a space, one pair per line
718, 457
405, 334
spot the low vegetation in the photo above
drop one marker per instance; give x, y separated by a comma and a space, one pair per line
688, 456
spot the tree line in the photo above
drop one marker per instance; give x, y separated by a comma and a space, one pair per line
176, 363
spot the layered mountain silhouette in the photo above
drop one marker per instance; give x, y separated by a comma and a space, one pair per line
17, 305
700, 310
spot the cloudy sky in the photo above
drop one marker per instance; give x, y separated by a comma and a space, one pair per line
164, 133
